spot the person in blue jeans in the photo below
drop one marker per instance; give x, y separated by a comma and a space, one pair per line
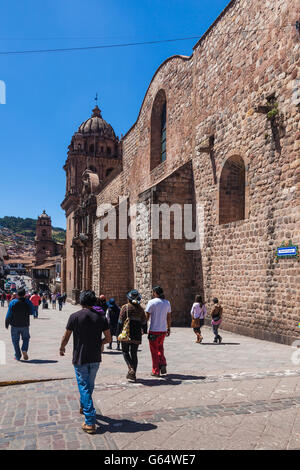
18, 317
87, 326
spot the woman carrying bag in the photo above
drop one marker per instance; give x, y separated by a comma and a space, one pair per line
132, 324
198, 314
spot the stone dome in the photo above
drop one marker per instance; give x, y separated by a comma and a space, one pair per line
96, 125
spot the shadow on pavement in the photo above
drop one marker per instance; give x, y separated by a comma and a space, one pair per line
121, 425
38, 361
222, 344
170, 379
184, 377
117, 353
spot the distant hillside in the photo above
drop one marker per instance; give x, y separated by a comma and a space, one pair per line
27, 228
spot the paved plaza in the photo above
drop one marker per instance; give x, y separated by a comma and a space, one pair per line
242, 394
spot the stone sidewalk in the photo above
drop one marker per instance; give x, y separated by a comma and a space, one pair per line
242, 394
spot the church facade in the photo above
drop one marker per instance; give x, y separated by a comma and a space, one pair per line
45, 246
46, 267
217, 132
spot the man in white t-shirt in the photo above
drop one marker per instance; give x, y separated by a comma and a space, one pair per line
158, 310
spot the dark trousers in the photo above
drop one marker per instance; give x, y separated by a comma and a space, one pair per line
36, 311
216, 332
130, 355
18, 332
113, 332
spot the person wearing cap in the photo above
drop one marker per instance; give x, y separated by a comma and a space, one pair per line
112, 315
158, 310
137, 326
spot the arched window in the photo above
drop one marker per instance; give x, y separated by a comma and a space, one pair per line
158, 130
164, 133
232, 191
108, 151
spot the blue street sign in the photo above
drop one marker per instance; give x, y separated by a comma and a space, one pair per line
287, 251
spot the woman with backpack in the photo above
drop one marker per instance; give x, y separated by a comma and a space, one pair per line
132, 324
198, 314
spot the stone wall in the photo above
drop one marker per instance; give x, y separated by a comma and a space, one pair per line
216, 110
69, 274
259, 296
173, 266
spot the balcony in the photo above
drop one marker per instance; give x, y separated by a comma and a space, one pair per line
83, 239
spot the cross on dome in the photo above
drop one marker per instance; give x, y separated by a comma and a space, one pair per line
96, 112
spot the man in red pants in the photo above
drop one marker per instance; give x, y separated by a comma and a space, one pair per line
158, 310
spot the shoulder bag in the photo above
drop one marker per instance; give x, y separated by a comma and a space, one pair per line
125, 334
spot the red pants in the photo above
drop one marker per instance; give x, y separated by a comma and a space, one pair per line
157, 351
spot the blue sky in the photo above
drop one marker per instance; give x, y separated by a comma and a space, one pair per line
50, 94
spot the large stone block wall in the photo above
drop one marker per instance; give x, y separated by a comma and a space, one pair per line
259, 296
144, 246
173, 266
69, 275
215, 93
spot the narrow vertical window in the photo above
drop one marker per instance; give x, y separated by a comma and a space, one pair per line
163, 133
158, 144
232, 192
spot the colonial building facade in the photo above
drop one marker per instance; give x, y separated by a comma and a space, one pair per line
94, 157
45, 268
45, 246
218, 131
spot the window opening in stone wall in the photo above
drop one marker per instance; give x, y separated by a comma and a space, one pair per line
163, 133
158, 145
108, 171
232, 191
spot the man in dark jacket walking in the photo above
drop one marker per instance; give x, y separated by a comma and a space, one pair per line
18, 318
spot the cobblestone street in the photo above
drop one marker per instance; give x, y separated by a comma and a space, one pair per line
243, 394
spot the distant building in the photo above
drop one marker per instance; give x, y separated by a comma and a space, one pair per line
45, 270
17, 266
3, 257
45, 246
47, 275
